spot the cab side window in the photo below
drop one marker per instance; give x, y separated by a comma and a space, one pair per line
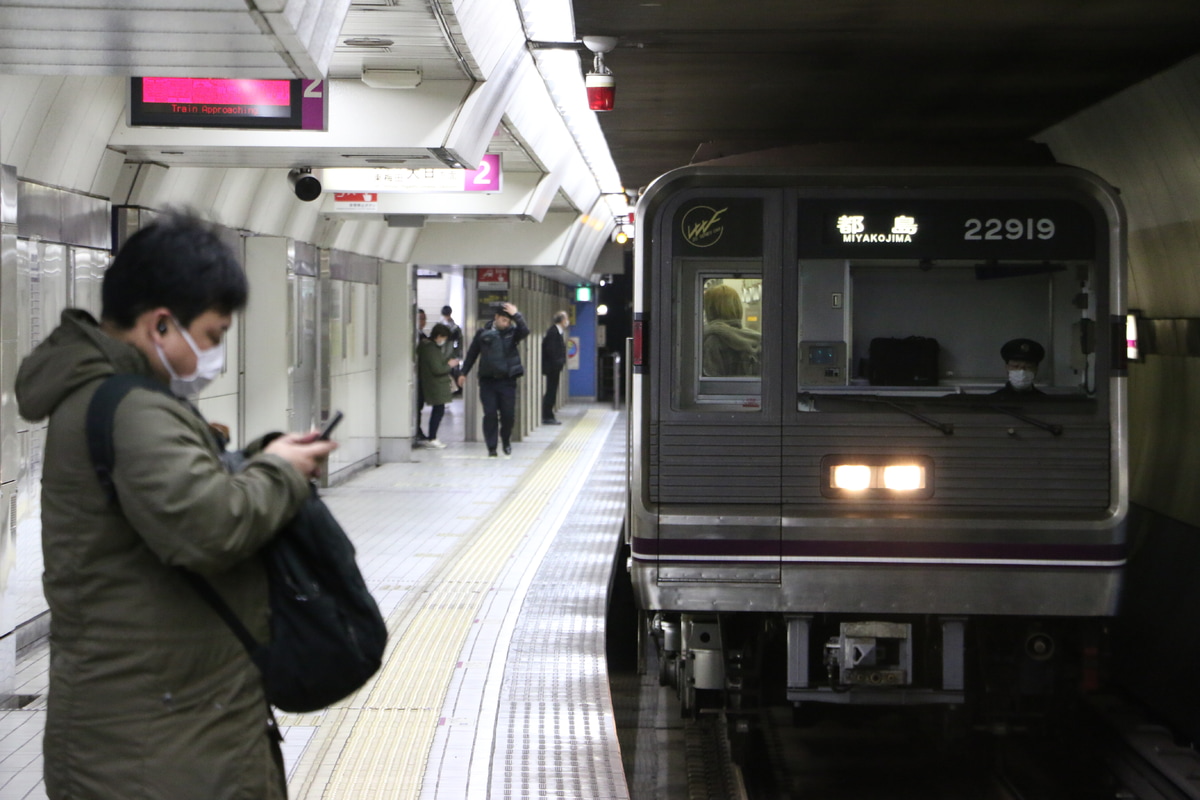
718, 336
732, 328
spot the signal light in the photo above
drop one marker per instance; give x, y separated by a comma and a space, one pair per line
639, 334
601, 89
600, 84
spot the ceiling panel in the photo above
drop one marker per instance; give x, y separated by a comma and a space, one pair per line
406, 35
779, 72
116, 37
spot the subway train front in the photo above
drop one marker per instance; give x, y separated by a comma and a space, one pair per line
878, 435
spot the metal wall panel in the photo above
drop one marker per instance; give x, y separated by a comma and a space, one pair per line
303, 266
87, 269
56, 215
353, 267
715, 464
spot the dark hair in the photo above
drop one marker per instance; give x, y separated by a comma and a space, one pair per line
439, 330
447, 311
178, 261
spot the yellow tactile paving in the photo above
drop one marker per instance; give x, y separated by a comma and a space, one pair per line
378, 746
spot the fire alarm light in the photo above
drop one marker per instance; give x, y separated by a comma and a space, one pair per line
601, 86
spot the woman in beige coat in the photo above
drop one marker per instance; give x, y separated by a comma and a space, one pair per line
151, 695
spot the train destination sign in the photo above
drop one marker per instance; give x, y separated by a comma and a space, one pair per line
935, 228
227, 103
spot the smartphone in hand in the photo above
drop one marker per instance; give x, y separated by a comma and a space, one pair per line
330, 425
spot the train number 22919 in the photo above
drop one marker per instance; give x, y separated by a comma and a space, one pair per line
1000, 229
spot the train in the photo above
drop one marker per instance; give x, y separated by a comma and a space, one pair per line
836, 494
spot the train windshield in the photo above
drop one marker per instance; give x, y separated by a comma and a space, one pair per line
943, 295
1018, 331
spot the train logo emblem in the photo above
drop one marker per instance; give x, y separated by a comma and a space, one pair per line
701, 226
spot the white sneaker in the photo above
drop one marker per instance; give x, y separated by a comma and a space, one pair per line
435, 444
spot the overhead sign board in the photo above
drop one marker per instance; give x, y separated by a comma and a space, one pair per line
492, 277
355, 201
485, 178
227, 103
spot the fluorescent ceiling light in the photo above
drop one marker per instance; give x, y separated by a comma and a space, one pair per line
391, 78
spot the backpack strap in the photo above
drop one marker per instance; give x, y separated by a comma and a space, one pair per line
100, 412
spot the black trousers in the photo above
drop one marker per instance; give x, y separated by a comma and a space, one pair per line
551, 395
420, 405
435, 418
499, 398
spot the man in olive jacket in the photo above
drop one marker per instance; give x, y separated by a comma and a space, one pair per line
151, 696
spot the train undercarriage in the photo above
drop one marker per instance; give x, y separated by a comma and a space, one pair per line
999, 673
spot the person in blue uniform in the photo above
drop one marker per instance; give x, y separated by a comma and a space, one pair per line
495, 348
1021, 359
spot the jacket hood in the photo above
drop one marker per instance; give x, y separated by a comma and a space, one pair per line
733, 336
75, 354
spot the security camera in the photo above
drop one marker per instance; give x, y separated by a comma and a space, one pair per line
304, 184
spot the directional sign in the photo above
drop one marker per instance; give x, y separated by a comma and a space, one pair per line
486, 178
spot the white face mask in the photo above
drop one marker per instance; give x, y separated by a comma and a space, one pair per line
209, 364
1021, 379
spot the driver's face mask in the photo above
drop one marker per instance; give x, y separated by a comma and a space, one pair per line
1021, 379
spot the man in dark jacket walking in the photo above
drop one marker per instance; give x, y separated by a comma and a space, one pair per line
495, 347
554, 358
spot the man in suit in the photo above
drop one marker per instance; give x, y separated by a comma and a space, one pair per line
554, 358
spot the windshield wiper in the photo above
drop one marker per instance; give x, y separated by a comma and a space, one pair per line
945, 427
1052, 428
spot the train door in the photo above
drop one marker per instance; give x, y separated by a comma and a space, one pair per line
714, 417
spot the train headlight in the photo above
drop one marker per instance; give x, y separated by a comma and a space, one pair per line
852, 477
903, 477
877, 477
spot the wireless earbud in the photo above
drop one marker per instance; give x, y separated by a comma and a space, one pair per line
162, 327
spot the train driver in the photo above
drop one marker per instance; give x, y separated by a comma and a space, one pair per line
1021, 358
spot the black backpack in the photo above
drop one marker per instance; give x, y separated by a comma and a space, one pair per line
327, 635
498, 355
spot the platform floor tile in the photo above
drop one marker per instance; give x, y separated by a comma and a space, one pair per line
492, 574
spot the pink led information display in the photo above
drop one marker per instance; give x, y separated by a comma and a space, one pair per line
220, 96
227, 103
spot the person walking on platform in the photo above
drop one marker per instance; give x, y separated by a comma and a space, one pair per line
453, 348
554, 358
149, 693
495, 347
433, 374
421, 337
